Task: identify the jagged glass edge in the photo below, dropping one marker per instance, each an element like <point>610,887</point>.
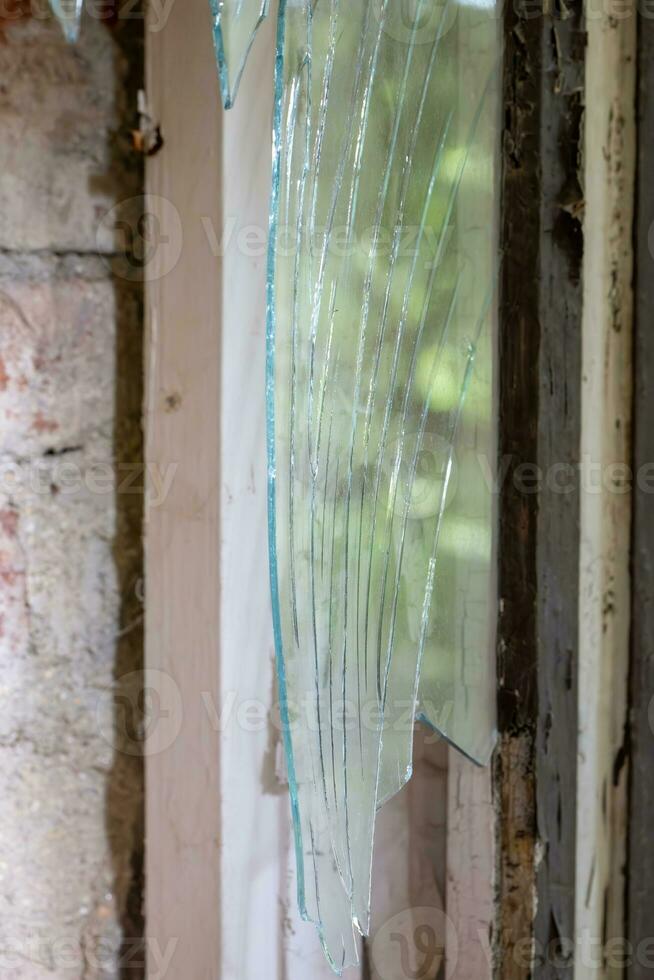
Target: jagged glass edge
<point>230,91</point>
<point>481,762</point>
<point>69,25</point>
<point>481,759</point>
<point>271,448</point>
<point>272,473</point>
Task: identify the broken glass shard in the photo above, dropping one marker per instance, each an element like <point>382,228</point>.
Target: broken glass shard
<point>69,15</point>
<point>235,22</point>
<point>381,408</point>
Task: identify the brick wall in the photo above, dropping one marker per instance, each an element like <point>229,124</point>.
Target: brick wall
<point>70,551</point>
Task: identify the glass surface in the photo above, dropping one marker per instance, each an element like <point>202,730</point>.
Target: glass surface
<point>69,15</point>
<point>235,23</point>
<point>381,413</point>
<point>381,407</point>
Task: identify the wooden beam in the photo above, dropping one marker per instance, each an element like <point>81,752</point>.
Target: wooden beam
<point>540,419</point>
<point>641,853</point>
<point>519,340</point>
<point>470,890</point>
<point>604,615</point>
<point>183,831</point>
<point>560,313</point>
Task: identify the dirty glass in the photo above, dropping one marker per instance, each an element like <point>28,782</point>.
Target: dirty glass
<point>381,413</point>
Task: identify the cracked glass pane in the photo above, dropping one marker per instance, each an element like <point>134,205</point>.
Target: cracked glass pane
<point>381,413</point>
<point>69,15</point>
<point>235,23</point>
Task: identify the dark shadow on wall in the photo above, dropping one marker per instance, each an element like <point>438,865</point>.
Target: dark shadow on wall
<point>125,789</point>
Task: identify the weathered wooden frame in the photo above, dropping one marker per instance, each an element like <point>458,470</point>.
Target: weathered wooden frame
<point>566,376</point>
<point>540,421</point>
<point>640,893</point>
